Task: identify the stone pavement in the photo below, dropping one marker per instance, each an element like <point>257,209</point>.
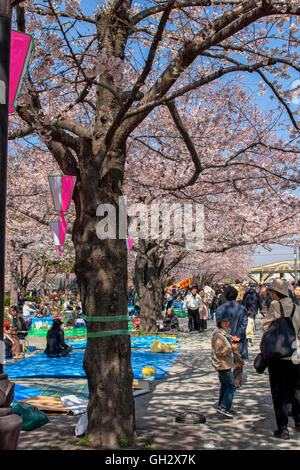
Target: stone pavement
<point>191,384</point>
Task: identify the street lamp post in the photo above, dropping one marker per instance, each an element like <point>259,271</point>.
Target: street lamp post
<point>10,424</point>
<point>5,32</point>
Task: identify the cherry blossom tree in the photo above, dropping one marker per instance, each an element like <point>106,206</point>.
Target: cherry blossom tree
<point>100,75</point>
<point>238,143</point>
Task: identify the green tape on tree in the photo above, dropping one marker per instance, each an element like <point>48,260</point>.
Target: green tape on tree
<point>106,319</point>
<point>99,334</point>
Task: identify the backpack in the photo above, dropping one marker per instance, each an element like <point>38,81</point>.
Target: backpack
<point>278,341</point>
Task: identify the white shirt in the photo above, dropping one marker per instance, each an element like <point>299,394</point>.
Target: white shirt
<point>27,310</point>
<point>192,302</point>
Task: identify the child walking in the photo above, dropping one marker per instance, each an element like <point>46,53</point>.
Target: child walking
<point>223,355</point>
<point>250,329</point>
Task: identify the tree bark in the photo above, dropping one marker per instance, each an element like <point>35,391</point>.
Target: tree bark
<point>101,271</point>
<point>14,285</point>
<point>148,283</point>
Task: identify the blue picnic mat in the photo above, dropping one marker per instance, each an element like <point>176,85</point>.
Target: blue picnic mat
<point>147,341</point>
<point>21,392</point>
<point>136,342</point>
<point>42,366</point>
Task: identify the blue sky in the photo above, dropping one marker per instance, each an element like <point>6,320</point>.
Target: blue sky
<point>278,253</point>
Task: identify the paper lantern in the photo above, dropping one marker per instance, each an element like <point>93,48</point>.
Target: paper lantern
<point>62,188</point>
<point>58,230</point>
<point>21,55</point>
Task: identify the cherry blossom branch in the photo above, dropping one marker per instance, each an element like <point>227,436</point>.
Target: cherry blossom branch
<point>198,83</point>
<point>180,5</point>
<point>61,14</point>
<point>187,140</point>
<point>147,68</point>
<point>280,99</point>
<point>19,133</point>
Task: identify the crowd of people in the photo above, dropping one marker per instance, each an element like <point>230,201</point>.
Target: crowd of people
<point>233,310</point>
<point>19,319</point>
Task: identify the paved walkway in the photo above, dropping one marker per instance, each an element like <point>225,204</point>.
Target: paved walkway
<point>190,384</point>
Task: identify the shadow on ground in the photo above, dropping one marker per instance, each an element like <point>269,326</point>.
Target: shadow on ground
<point>191,384</point>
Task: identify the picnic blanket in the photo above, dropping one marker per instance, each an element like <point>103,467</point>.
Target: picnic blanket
<point>136,342</point>
<point>42,366</point>
<point>22,392</point>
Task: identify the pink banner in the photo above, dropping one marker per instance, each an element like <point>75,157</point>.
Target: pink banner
<point>58,230</point>
<point>62,189</point>
<point>129,243</point>
<point>21,54</point>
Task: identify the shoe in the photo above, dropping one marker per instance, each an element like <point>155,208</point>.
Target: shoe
<point>191,332</point>
<point>283,434</point>
<point>224,412</point>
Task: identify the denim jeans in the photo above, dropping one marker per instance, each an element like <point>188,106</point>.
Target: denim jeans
<point>228,387</point>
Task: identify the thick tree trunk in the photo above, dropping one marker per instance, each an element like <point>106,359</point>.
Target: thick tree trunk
<point>14,285</point>
<point>148,282</point>
<point>101,270</point>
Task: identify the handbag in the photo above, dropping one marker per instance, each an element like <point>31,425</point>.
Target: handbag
<point>277,342</point>
<point>260,364</point>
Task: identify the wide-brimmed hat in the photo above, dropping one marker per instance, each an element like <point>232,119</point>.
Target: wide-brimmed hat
<point>281,286</point>
<point>223,313</point>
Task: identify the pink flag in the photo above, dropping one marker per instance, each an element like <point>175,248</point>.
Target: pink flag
<point>62,188</point>
<point>21,54</point>
<point>129,243</point>
<point>58,230</point>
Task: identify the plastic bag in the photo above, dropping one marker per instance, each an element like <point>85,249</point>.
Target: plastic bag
<point>159,347</point>
<point>32,417</point>
<point>81,425</point>
<point>148,371</point>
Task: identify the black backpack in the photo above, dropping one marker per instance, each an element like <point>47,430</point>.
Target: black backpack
<point>280,340</point>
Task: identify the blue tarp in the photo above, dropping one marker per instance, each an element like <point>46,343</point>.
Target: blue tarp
<point>42,366</point>
<point>136,342</point>
<point>21,393</point>
<point>177,304</point>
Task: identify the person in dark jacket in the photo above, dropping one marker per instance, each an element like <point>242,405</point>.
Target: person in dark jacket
<point>221,297</point>
<point>238,326</point>
<point>214,304</point>
<point>252,302</point>
<point>19,324</point>
<point>56,346</point>
<point>170,321</point>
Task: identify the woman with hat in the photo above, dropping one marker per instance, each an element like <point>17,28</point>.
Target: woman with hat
<point>56,346</point>
<point>284,374</point>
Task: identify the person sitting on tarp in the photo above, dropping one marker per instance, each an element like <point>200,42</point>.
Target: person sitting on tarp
<point>19,324</point>
<point>56,346</point>
<point>136,323</point>
<point>170,321</point>
<point>12,343</point>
